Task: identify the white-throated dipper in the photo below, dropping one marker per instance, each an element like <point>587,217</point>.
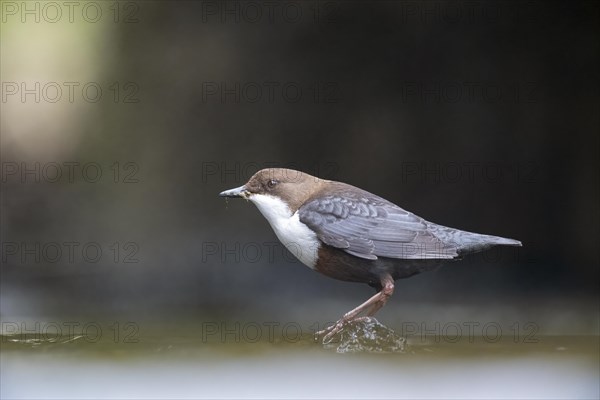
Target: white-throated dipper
<point>352,235</point>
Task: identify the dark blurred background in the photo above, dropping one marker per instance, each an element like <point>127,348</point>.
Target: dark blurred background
<point>480,116</point>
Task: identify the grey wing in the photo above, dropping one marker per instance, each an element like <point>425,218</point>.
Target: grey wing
<point>369,227</point>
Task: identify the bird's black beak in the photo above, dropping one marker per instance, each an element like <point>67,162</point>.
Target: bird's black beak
<point>237,192</point>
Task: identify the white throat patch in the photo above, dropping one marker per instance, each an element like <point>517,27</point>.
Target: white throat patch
<point>295,236</point>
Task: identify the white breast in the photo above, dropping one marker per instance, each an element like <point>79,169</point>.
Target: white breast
<point>295,236</point>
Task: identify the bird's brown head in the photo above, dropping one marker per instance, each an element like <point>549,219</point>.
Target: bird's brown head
<point>291,186</point>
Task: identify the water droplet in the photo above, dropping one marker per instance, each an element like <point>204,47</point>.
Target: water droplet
<point>366,335</point>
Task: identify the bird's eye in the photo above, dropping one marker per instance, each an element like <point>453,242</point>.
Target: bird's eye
<point>271,183</point>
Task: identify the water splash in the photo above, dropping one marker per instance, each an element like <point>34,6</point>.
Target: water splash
<point>366,335</point>
<point>37,340</point>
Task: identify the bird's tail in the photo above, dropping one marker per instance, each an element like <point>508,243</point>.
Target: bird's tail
<point>497,240</point>
<point>475,242</point>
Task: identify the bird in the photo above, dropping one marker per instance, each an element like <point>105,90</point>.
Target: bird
<point>352,235</point>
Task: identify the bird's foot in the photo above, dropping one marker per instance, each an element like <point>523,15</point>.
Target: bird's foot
<point>332,330</point>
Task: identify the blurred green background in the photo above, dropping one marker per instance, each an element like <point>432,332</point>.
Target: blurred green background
<point>122,121</point>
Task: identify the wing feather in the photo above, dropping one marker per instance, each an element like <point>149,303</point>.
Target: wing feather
<point>369,227</point>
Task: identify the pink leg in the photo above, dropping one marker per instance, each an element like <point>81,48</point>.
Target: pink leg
<point>373,305</point>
